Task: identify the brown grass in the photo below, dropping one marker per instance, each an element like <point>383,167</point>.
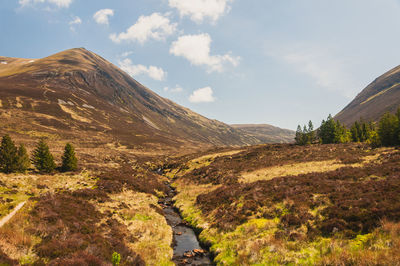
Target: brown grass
<point>301,168</point>
<point>149,234</point>
<point>15,241</point>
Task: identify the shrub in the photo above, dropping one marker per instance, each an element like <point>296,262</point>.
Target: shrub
<point>42,158</point>
<point>69,160</point>
<point>116,258</point>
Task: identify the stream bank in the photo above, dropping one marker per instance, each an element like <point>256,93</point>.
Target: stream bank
<point>187,248</point>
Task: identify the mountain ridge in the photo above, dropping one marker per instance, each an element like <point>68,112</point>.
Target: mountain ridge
<point>267,133</point>
<point>380,96</point>
<point>78,90</point>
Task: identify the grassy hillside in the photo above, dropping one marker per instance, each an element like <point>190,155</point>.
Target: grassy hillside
<point>76,94</point>
<point>286,204</point>
<point>109,205</point>
<point>382,95</point>
<point>267,133</point>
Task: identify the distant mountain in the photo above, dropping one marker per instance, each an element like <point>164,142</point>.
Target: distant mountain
<point>77,94</point>
<point>267,133</point>
<point>382,95</point>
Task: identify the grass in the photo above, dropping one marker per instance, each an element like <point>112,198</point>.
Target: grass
<point>309,210</point>
<point>151,235</point>
<point>185,201</point>
<point>301,168</point>
<point>15,241</point>
<point>16,188</point>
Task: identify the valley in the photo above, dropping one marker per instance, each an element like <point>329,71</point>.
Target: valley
<point>158,184</point>
<point>340,214</point>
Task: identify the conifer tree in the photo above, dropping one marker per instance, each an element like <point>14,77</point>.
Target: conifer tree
<point>388,130</point>
<point>42,158</point>
<point>8,155</point>
<point>299,135</point>
<point>304,140</point>
<point>69,160</point>
<point>355,134</point>
<point>23,159</point>
<point>327,130</point>
<point>311,133</point>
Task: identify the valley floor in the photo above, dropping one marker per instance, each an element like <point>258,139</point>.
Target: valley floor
<point>286,204</point>
<point>268,204</point>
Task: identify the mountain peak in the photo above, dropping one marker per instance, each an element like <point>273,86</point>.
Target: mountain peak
<point>76,91</point>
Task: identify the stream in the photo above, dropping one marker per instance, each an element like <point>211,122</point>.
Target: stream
<point>187,248</point>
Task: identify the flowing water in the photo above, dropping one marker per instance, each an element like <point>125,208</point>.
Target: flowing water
<point>187,249</point>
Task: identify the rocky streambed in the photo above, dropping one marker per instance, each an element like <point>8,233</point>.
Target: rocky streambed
<point>187,248</point>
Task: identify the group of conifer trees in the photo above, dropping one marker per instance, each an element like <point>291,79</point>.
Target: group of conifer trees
<point>13,159</point>
<point>385,133</point>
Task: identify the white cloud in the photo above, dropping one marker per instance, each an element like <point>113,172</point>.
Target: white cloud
<point>102,16</point>
<point>198,10</point>
<point>126,54</point>
<point>58,3</point>
<point>196,49</point>
<point>203,95</point>
<point>156,26</point>
<point>153,72</point>
<point>174,90</point>
<point>75,21</point>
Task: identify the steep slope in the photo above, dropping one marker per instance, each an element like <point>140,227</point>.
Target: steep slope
<point>78,94</point>
<point>267,133</point>
<point>382,95</point>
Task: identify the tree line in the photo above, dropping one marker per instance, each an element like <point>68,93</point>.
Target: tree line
<point>385,133</point>
<point>16,159</point>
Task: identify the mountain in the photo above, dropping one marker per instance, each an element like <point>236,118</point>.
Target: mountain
<point>76,94</point>
<point>382,95</point>
<point>267,133</point>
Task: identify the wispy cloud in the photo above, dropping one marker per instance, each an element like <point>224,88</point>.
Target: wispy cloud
<point>174,90</point>
<point>199,10</point>
<point>323,66</point>
<point>102,16</point>
<point>75,21</point>
<point>58,3</point>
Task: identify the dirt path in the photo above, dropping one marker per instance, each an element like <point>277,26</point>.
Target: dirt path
<point>4,220</point>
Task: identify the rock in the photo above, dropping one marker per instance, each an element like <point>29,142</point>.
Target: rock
<point>189,254</point>
<point>199,251</point>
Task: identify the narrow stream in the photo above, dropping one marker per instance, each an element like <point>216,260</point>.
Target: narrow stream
<point>187,249</point>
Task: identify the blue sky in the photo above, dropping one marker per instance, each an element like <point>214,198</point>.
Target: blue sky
<point>239,61</point>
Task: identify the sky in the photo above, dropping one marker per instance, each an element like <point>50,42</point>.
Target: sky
<point>238,61</point>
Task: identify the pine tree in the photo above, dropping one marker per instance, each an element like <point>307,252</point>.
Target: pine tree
<point>8,155</point>
<point>299,135</point>
<point>42,158</point>
<point>69,161</point>
<point>23,159</point>
<point>388,130</point>
<point>355,134</point>
<point>327,131</point>
<point>304,140</point>
<point>311,133</point>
